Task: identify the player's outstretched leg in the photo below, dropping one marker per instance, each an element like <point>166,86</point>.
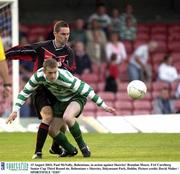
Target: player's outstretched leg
<point>55,148</point>
<point>41,137</point>
<point>44,112</point>
<point>72,111</point>
<point>62,140</point>
<point>76,133</point>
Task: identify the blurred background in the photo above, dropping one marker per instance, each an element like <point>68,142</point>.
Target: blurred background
<point>145,11</point>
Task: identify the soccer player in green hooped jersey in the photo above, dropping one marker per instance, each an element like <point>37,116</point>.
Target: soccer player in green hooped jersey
<point>71,94</point>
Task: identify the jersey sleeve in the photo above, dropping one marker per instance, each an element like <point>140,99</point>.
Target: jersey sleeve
<point>80,87</point>
<point>30,86</point>
<point>2,54</point>
<point>86,90</point>
<point>25,53</point>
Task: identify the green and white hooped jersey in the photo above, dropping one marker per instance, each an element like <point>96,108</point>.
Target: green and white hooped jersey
<point>64,88</point>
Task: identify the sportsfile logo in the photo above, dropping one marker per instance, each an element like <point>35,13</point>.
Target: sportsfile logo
<point>2,166</point>
<point>16,166</point>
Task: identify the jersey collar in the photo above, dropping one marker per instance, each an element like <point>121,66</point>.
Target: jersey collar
<point>57,47</point>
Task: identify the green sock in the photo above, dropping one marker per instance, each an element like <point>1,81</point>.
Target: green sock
<point>76,133</point>
<point>62,140</point>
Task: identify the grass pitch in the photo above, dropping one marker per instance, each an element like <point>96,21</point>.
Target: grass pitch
<point>104,147</point>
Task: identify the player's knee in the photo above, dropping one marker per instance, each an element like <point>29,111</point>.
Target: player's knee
<point>63,128</point>
<point>68,120</point>
<point>52,132</point>
<point>47,114</point>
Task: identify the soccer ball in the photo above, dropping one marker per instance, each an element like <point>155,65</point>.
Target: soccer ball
<point>136,89</point>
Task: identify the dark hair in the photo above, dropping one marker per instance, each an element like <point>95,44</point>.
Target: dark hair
<point>59,24</point>
<point>113,57</point>
<point>51,63</point>
<point>166,57</point>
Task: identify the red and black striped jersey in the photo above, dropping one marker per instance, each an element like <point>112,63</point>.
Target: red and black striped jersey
<point>38,52</point>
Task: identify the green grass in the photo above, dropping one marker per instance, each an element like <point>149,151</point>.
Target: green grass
<point>104,147</point>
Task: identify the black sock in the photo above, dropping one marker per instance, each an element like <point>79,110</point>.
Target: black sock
<point>41,136</point>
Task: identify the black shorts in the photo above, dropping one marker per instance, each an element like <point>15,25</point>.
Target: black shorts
<point>42,97</point>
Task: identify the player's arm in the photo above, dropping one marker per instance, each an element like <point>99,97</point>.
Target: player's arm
<point>25,53</point>
<point>30,86</point>
<point>5,76</point>
<point>87,91</point>
<point>4,71</point>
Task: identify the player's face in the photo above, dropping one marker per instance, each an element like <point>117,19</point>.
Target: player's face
<point>51,73</point>
<point>62,36</point>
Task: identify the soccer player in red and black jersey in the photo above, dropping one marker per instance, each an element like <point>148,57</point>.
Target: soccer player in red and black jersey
<point>43,99</point>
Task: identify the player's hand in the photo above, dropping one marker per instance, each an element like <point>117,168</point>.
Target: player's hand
<point>110,109</point>
<point>7,91</point>
<point>11,117</point>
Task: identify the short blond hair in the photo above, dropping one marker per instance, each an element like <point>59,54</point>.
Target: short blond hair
<point>50,63</point>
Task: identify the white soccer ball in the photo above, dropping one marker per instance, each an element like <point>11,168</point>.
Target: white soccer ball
<point>136,89</point>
